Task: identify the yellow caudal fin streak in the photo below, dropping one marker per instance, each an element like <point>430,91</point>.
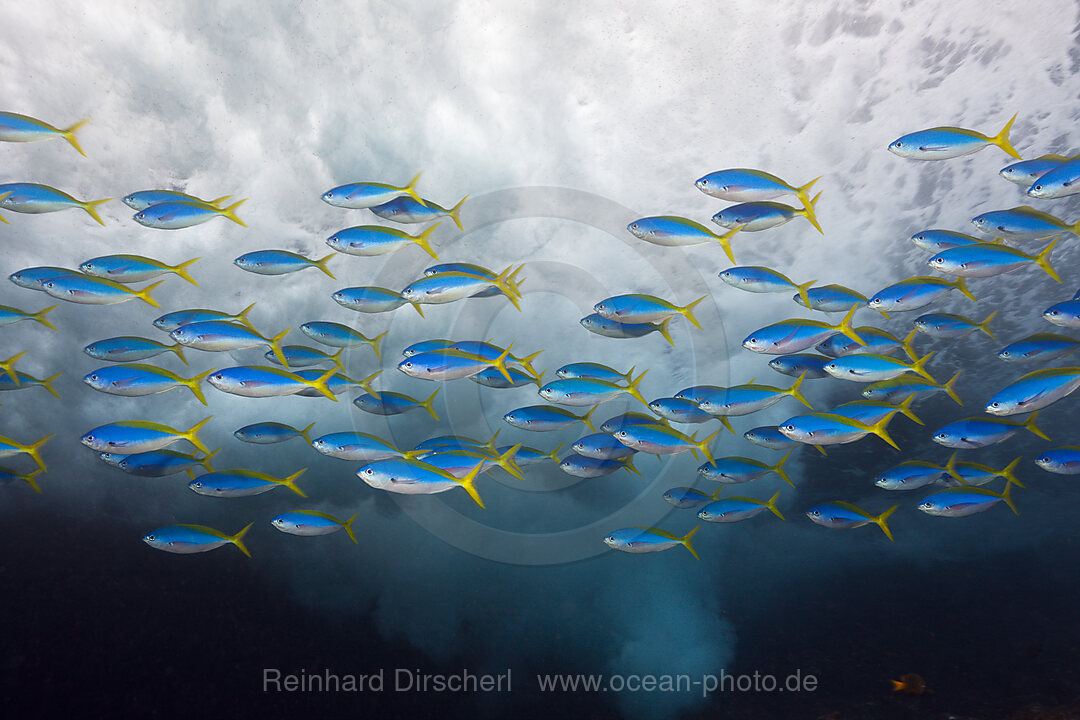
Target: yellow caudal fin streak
<point>632,388</point>
<point>526,364</point>
<point>950,388</point>
<point>192,434</point>
<point>847,328</point>
<point>455,215</point>
<point>1006,495</point>
<point>950,467</point>
<point>778,468</point>
<point>1010,477</point>
<point>90,206</point>
<point>144,294</point>
<point>919,366</point>
<point>795,391</point>
<point>47,383</point>
<point>423,241</point>
<point>348,527</point>
<point>9,367</point>
<point>321,264</point>
<point>195,384</point>
<point>502,282</point>
<point>469,483</point>
<point>336,359</point>
<point>216,202</point>
<point>513,281</point>
<point>429,404</point>
<point>1030,426</point>
<point>374,343</point>
<point>34,451</point>
<point>1043,259</point>
<point>490,445</point>
<point>365,384</point>
<point>882,522</point>
<point>2,196</point>
<point>771,504</point>
<point>230,212</point>
<point>803,193</point>
<point>820,450</point>
<point>416,307</point>
<point>275,347</point>
<point>205,461</point>
<point>30,479</point>
<point>803,292</point>
<point>725,242</point>
<point>179,350</point>
<point>628,465</point>
<point>722,418</point>
<point>587,418</point>
<point>807,212</point>
<point>181,270</point>
<point>69,135</point>
<point>306,432</point>
<point>290,482</point>
<point>905,409</point>
<point>908,343</point>
<point>687,311</point>
<point>878,428</point>
<point>242,317</point>
<point>506,462</point>
<point>961,285</point>
<point>685,540</point>
<point>499,363</point>
<point>1002,139</point>
<point>553,456</point>
<point>39,316</point>
<point>665,329</point>
<point>703,446</point>
<point>410,190</point>
<point>238,540</point>
<point>629,374</point>
<point>320,383</point>
<point>985,325</point>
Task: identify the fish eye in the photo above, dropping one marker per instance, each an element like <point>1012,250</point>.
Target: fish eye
<point>369,471</point>
<point>329,194</point>
<point>151,538</point>
<point>704,181</point>
<point>1004,353</point>
<point>899,144</point>
<point>197,485</point>
<point>993,404</point>
<point>1038,187</point>
<point>789,428</point>
<point>408,364</point>
<point>93,377</point>
<point>942,436</point>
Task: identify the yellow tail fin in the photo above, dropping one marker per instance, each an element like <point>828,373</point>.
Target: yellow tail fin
<point>687,311</point>
<point>144,294</point>
<point>305,433</point>
<point>422,239</point>
<point>725,242</point>
<point>1006,495</point>
<point>846,327</point>
<point>795,391</point>
<point>664,328</point>
<point>808,212</point>
<point>69,135</point>
<point>320,384</point>
<point>1030,426</point>
<point>275,347</point>
<point>587,418</point>
<point>410,190</point>
<point>908,343</point>
<point>429,404</point>
<point>242,317</point>
<point>771,503</point>
<point>1043,260</point>
<point>181,270</point>
<point>632,388</point>
<point>191,435</point>
<point>33,451</point>
<point>961,285</point>
<point>950,390</point>
<point>1002,139</point>
<point>881,521</point>
<point>39,316</point>
<point>238,541</point>
<point>918,367</point>
<point>803,293</point>
<point>374,343</point>
<point>321,264</point>
<point>803,193</point>
<point>455,215</point>
<point>9,367</point>
<point>469,483</point>
<point>290,482</point>
<point>47,384</point>
<point>348,528</point>
<point>778,468</point>
<point>90,206</point>
<point>685,540</point>
<point>179,350</point>
<point>29,478</point>
<point>230,212</point>
<point>194,384</point>
<point>985,325</point>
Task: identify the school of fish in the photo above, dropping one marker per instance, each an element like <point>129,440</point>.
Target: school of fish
<point>890,372</point>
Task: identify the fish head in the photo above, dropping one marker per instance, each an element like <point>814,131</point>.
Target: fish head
<point>281,523</point>
<point>624,437</point>
<point>947,437</point>
<point>223,382</point>
<point>889,484</point>
<point>981,221</point>
<point>638,230</point>
<point>927,506</point>
<point>88,267</point>
<point>793,431</point>
<point>154,541</point>
<point>754,344</point>
<point>333,197</point>
<point>550,394</point>
<point>939,262</point>
<point>1002,407</point>
<point>375,476</point>
<point>1042,190</point>
<point>411,294</point>
<point>816,514</point>
<point>411,368</point>
<point>615,542</point>
<point>902,149</point>
<point>1005,355</point>
<point>90,440</point>
<point>95,381</point>
<point>124,464</point>
<point>588,322</point>
<point>197,486</point>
